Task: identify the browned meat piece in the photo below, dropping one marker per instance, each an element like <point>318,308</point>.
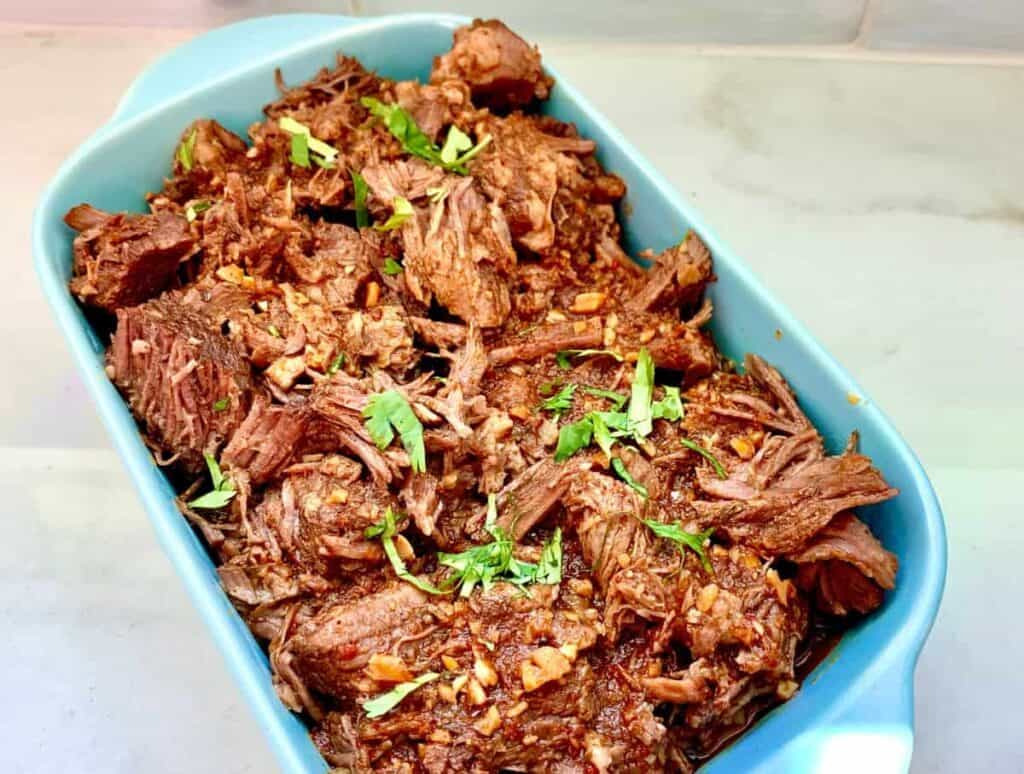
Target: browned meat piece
<point>607,516</point>
<point>459,251</point>
<point>501,68</point>
<point>334,274</point>
<point>212,150</point>
<point>783,516</point>
<point>406,178</point>
<point>186,383</point>
<point>673,345</point>
<point>548,339</point>
<point>381,337</point>
<point>267,440</point>
<point>318,516</point>
<point>677,279</point>
<point>332,650</point>
<point>434,107</point>
<point>439,334</point>
<point>532,495</point>
<point>520,171</point>
<point>846,567</point>
<point>125,259</point>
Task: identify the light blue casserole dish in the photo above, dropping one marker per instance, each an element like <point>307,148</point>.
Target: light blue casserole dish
<point>855,710</point>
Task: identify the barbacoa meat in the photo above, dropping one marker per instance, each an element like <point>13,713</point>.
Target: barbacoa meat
<point>482,485</point>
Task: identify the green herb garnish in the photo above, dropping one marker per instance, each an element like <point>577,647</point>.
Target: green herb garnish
<point>561,401</point>
<point>336,364</point>
<point>641,393</point>
<point>682,538</point>
<point>222,404</point>
<point>300,150</point>
<point>402,211</point>
<point>359,193</point>
<point>670,407</point>
<point>617,398</point>
<point>457,150</point>
<point>223,490</point>
<point>392,267</point>
<point>719,470</point>
<point>274,331</point>
<point>573,437</point>
<point>194,208</point>
<point>186,151</point>
<point>387,410</point>
<point>386,530</point>
<point>383,704</point>
<point>486,564</point>
<point>310,144</point>
<point>563,358</point>
<point>620,469</point>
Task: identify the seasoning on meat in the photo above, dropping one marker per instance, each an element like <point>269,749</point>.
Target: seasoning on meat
<point>483,486</point>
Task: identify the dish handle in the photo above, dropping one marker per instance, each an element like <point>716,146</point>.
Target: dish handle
<point>873,732</point>
<point>213,53</point>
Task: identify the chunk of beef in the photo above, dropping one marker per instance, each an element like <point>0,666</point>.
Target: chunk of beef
<point>267,440</point>
<point>846,567</point>
<point>124,259</point>
<point>211,151</point>
<point>318,515</point>
<point>331,651</point>
<point>673,345</point>
<point>534,699</point>
<point>531,495</point>
<point>186,382</point>
<point>501,68</point>
<point>460,252</point>
<point>547,339</point>
<point>337,268</point>
<point>519,171</point>
<point>408,178</point>
<point>783,516</point>
<point>381,337</point>
<point>677,279</point>
<point>434,106</point>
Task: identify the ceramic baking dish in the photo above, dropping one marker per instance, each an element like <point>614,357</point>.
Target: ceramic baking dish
<point>855,707</point>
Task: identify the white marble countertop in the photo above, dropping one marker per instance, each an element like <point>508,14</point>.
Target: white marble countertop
<point>883,202</point>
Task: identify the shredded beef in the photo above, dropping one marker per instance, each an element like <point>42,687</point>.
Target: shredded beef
<point>481,484</point>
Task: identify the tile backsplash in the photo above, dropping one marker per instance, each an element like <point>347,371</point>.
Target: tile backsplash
<point>801,22</point>
<point>882,25</point>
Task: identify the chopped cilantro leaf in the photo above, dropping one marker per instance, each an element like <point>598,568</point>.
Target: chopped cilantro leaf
<point>622,472</point>
<point>561,401</point>
<point>300,150</point>
<point>336,364</point>
<point>573,437</point>
<point>683,539</point>
<point>719,470</point>
<point>222,404</point>
<point>186,151</point>
<point>670,407</point>
<point>402,211</point>
<point>387,410</point>
<point>639,411</point>
<point>194,208</point>
<point>617,398</point>
<point>359,192</point>
<point>392,267</point>
<point>386,530</point>
<point>223,490</point>
<point>563,358</point>
<point>385,702</point>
